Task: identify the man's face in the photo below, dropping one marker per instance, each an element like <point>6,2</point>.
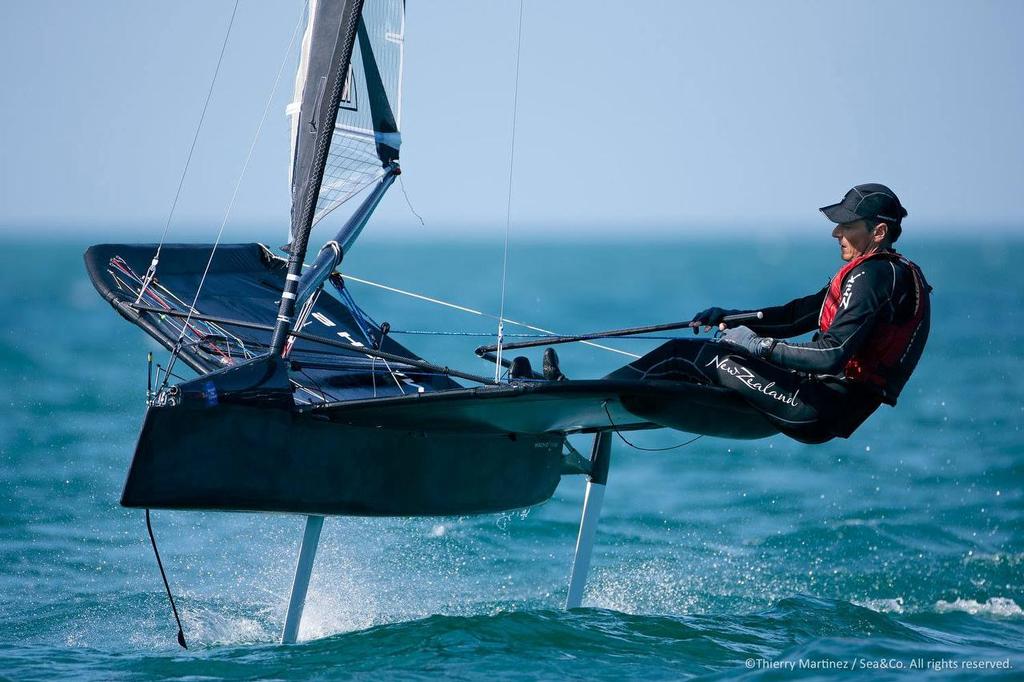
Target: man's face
<point>855,239</point>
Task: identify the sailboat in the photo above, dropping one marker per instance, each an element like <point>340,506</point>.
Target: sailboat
<point>303,403</point>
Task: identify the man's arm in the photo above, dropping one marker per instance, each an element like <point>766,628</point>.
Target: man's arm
<point>799,316</point>
<point>781,322</point>
<point>866,290</point>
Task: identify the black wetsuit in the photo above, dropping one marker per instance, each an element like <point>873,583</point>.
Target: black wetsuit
<point>801,387</point>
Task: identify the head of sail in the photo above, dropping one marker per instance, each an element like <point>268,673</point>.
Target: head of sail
<point>366,136</point>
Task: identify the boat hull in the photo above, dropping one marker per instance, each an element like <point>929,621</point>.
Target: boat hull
<point>265,459</point>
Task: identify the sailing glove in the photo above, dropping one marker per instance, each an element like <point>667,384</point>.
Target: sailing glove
<point>743,339</point>
<point>711,317</point>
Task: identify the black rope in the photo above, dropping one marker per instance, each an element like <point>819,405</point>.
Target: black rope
<point>638,447</point>
<point>160,564</point>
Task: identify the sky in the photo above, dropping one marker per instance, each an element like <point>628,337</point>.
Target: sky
<point>650,117</point>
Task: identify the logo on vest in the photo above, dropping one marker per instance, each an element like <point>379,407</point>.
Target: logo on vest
<point>848,290</point>
<point>749,379</point>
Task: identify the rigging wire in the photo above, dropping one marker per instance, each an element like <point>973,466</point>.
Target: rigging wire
<point>362,322</point>
<point>472,311</point>
<point>234,194</point>
<point>151,272</point>
<point>508,202</point>
<point>436,332</point>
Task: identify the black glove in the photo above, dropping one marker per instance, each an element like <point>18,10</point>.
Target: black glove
<point>742,338</point>
<point>711,317</point>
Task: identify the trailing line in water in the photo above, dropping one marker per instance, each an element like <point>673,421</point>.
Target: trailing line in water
<point>167,586</point>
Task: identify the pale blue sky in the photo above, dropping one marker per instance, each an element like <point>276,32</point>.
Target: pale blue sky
<point>643,116</point>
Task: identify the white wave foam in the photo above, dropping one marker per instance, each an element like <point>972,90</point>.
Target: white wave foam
<point>219,624</point>
<point>998,559</point>
<point>883,605</point>
<point>995,606</point>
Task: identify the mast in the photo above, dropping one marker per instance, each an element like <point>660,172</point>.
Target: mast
<point>332,29</point>
<point>345,133</point>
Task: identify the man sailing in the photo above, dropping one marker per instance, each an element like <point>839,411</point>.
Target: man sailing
<point>871,324</point>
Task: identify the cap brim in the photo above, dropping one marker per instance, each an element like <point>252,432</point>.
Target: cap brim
<point>838,214</point>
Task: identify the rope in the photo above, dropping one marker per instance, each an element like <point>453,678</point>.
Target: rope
<point>508,202</point>
<point>428,332</point>
<point>160,564</point>
<point>472,311</point>
<point>151,272</point>
<point>408,203</point>
<point>637,447</point>
<point>234,194</point>
<point>432,332</point>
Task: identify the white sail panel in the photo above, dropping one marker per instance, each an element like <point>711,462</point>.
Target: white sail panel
<point>366,136</point>
<point>300,81</point>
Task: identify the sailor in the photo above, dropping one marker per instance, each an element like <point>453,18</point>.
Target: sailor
<point>870,321</point>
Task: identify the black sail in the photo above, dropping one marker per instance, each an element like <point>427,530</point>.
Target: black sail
<point>332,33</point>
<point>365,138</point>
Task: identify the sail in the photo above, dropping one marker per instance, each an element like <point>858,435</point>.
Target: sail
<point>328,42</point>
<point>365,138</point>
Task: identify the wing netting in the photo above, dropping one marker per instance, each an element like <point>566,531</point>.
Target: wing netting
<point>244,285</point>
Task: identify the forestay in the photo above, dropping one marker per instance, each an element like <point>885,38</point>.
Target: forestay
<point>366,135</point>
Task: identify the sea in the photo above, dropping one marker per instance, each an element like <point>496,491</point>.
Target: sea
<point>897,552</point>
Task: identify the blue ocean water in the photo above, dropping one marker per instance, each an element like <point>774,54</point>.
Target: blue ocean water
<point>899,550</point>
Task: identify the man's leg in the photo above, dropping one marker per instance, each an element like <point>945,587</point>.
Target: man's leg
<point>675,360</point>
<point>799,406</point>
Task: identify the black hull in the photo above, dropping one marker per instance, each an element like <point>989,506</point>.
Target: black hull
<point>333,431</point>
<point>578,406</point>
<point>261,459</point>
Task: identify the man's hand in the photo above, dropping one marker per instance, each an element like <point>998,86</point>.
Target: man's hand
<point>709,318</point>
<point>742,338</point>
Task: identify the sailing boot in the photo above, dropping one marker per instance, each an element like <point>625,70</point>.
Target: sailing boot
<point>520,368</point>
<point>551,370</point>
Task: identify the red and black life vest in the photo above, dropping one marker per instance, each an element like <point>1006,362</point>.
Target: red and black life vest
<point>884,360</point>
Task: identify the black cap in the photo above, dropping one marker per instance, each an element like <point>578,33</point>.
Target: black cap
<point>867,202</point>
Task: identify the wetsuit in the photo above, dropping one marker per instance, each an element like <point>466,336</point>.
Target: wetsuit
<point>872,323</point>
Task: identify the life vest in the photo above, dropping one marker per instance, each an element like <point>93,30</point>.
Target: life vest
<point>884,360</point>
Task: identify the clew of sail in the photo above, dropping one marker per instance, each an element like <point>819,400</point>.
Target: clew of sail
<point>366,137</point>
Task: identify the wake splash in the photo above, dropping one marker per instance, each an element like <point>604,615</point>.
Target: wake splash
<point>1000,607</point>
